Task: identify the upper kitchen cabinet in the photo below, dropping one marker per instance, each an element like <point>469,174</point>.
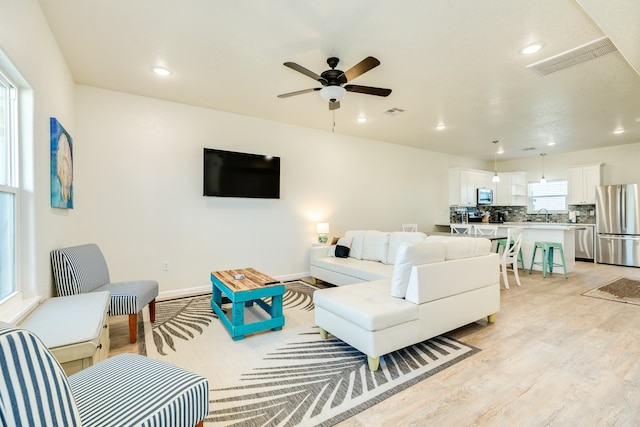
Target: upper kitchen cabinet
<point>463,184</point>
<point>511,190</point>
<point>582,183</point>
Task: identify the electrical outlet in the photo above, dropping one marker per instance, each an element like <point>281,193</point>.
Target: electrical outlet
<point>592,213</point>
<point>165,266</point>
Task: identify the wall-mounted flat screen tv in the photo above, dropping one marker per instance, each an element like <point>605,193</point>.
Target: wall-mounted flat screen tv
<point>232,174</point>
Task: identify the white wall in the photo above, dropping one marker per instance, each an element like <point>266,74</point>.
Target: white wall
<point>138,178</point>
<point>138,188</point>
<point>138,172</point>
<point>620,164</point>
<point>47,91</point>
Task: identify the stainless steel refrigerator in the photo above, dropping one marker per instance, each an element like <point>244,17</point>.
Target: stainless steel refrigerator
<point>618,224</point>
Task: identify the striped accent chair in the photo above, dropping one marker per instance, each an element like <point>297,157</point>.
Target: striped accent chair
<point>82,269</point>
<point>125,390</point>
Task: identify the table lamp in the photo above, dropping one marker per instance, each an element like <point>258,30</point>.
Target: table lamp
<point>322,228</point>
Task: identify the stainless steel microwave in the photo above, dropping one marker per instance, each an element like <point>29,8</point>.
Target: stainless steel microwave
<point>484,196</point>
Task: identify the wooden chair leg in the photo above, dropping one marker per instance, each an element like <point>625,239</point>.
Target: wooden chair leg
<point>152,310</point>
<point>133,328</point>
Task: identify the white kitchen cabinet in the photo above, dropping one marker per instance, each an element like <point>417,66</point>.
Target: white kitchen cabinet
<point>502,194</point>
<point>518,189</point>
<point>463,184</point>
<point>511,190</point>
<point>582,183</point>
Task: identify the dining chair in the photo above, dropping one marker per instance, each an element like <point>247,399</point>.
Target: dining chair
<point>460,228</point>
<point>485,230</point>
<point>410,227</point>
<point>510,254</point>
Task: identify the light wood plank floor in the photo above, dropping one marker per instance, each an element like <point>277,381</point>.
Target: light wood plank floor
<point>553,357</point>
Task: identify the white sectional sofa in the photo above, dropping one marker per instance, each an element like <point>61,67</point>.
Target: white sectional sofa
<point>371,257</point>
<point>433,285</point>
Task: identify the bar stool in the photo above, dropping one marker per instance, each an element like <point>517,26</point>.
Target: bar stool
<point>547,257</point>
<point>503,242</point>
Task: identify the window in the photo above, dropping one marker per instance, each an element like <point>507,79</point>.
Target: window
<point>551,196</point>
<point>9,190</point>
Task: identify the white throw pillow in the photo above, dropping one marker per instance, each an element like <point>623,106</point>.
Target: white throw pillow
<point>397,238</point>
<point>376,245</point>
<point>357,243</point>
<point>410,254</point>
<point>345,241</point>
<point>467,247</point>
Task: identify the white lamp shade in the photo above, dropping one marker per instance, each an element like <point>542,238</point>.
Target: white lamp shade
<point>332,93</point>
<point>496,177</point>
<point>322,228</point>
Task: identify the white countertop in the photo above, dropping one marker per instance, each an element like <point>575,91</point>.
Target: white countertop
<point>549,225</point>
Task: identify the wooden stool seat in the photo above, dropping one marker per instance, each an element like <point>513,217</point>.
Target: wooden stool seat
<point>547,261</point>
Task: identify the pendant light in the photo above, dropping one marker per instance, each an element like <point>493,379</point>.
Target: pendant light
<point>495,178</point>
<point>543,180</point>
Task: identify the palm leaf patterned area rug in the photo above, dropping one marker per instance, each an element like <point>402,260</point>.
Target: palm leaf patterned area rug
<point>290,377</point>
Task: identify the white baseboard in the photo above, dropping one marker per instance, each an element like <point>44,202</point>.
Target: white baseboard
<point>196,290</point>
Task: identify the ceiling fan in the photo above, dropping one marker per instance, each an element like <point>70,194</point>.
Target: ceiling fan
<point>334,81</point>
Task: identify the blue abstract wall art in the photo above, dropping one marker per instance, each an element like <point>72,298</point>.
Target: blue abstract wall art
<point>61,166</point>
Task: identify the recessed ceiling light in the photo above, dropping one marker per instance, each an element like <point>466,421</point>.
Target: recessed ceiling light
<point>500,151</point>
<point>362,119</point>
<point>441,127</point>
<point>618,131</point>
<point>161,71</point>
<point>550,143</point>
<point>532,48</point>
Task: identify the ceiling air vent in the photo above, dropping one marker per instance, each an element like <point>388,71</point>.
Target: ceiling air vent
<point>394,111</point>
<point>575,56</point>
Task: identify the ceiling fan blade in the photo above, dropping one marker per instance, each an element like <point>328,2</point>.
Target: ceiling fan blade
<point>362,67</point>
<point>298,92</point>
<point>334,105</point>
<point>378,91</point>
<point>308,73</point>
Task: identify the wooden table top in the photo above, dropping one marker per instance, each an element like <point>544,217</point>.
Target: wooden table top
<point>253,279</point>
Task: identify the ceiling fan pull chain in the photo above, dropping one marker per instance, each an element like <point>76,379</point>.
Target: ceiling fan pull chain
<point>333,128</point>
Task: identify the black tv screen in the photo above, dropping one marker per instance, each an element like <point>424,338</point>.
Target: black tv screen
<point>231,174</point>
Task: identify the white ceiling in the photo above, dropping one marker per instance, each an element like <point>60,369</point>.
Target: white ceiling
<point>450,61</point>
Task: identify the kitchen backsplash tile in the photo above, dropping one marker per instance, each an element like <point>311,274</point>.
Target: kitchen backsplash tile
<point>519,213</point>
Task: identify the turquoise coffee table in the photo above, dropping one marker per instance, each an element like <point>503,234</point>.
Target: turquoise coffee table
<point>244,293</point>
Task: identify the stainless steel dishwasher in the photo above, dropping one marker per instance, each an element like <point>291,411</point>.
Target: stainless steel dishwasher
<point>585,243</point>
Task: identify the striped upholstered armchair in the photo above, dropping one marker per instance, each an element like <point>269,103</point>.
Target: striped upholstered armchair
<point>82,269</point>
<point>125,390</point>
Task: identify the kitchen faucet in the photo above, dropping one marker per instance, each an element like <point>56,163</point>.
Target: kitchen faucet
<point>546,216</point>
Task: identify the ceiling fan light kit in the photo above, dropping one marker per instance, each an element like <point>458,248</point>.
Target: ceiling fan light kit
<point>335,81</point>
<point>332,93</point>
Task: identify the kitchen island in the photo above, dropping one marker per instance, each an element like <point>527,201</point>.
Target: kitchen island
<point>546,232</point>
